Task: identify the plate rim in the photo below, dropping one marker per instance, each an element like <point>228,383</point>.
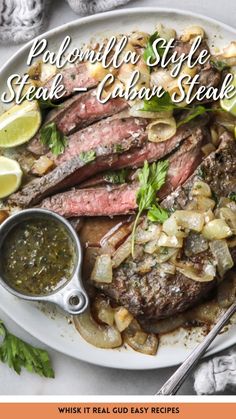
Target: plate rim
<point>53,32</point>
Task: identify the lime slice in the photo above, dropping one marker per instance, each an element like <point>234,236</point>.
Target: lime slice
<point>10,176</point>
<point>229,105</point>
<point>19,124</point>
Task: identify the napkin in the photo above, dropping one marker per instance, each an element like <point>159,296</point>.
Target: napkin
<point>22,20</point>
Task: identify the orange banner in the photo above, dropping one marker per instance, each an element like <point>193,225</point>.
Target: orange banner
<point>112,410</point>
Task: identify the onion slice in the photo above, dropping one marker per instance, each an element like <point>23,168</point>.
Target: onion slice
<point>106,337</point>
<point>222,255</point>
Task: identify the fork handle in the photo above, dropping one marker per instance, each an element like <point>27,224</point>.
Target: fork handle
<point>176,380</point>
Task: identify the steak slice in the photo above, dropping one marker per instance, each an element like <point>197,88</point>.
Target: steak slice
<point>76,113</point>
<point>104,133</point>
<point>156,295</point>
<point>74,77</point>
<point>118,200</point>
<point>73,172</point>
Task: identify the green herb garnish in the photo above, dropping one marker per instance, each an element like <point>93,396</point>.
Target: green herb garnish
<point>151,178</point>
<point>165,104</point>
<point>118,177</point>
<point>19,354</point>
<point>157,214</point>
<point>159,104</point>
<point>201,172</point>
<point>47,104</point>
<point>232,196</point>
<point>194,113</point>
<point>149,52</point>
<point>54,139</point>
<point>87,156</point>
<point>219,65</point>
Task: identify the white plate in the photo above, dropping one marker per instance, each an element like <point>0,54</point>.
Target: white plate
<point>52,327</point>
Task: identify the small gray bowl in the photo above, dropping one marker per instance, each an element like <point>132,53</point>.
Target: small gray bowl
<point>71,296</point>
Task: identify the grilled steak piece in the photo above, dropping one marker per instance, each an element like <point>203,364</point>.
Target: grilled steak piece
<point>104,201</point>
<point>155,295</point>
<point>218,170</point>
<point>76,113</point>
<point>118,200</point>
<point>72,172</point>
<point>104,133</point>
<point>74,77</point>
<point>208,75</point>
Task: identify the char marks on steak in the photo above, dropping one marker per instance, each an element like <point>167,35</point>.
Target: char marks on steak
<point>71,173</point>
<point>208,75</point>
<point>73,77</point>
<point>118,200</point>
<point>76,113</point>
<point>154,295</point>
<point>74,171</point>
<point>104,133</point>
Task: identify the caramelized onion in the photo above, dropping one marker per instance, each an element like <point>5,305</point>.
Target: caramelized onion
<point>123,318</point>
<point>122,253</point>
<point>216,230</point>
<point>206,274</point>
<point>222,255</point>
<point>106,337</point>
<point>191,220</point>
<point>102,271</point>
<point>140,341</point>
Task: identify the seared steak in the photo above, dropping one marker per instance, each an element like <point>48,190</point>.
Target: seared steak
<point>74,77</point>
<point>114,200</point>
<point>218,170</point>
<point>75,171</point>
<point>71,173</point>
<point>155,295</point>
<point>104,133</point>
<point>117,200</point>
<point>76,113</point>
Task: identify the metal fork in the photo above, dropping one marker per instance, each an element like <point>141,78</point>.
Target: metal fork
<point>176,380</point>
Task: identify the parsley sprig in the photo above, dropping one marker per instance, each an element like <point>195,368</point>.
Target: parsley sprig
<point>151,178</point>
<point>19,354</point>
<point>165,104</point>
<point>149,52</point>
<point>54,139</point>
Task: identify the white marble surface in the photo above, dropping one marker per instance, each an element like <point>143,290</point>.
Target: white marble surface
<point>75,377</point>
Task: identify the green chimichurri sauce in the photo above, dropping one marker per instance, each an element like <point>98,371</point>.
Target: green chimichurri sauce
<point>38,257</point>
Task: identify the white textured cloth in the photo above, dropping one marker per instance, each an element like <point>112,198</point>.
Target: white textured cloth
<point>22,20</point>
<point>216,375</point>
<point>89,7</point>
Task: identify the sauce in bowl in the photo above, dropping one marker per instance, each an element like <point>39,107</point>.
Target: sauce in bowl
<point>38,256</point>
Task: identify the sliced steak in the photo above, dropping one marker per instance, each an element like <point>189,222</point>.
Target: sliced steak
<point>99,201</point>
<point>208,75</point>
<point>155,295</point>
<point>118,200</point>
<point>71,173</point>
<point>104,133</point>
<point>218,170</point>
<point>75,171</point>
<point>74,77</point>
<point>76,113</point>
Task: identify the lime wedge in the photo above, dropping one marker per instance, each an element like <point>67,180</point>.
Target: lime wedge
<point>19,124</point>
<point>229,105</point>
<point>10,176</point>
